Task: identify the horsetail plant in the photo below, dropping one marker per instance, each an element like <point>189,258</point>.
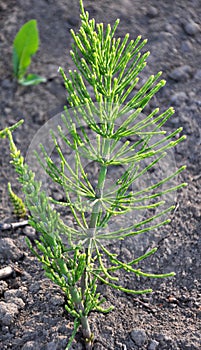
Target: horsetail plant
<point>106,128</point>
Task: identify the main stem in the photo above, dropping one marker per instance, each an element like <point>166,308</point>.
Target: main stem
<point>88,336</point>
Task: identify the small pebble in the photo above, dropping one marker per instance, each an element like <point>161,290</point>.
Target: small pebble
<point>30,232</point>
<point>178,98</point>
<point>52,70</point>
<point>6,272</point>
<point>186,46</point>
<point>139,336</point>
<point>3,6</point>
<point>7,110</point>
<point>30,345</point>
<point>17,301</point>
<point>191,28</point>
<point>8,312</point>
<point>9,250</point>
<point>152,11</point>
<point>58,196</point>
<point>11,293</point>
<point>181,73</point>
<point>153,345</point>
<point>188,260</point>
<point>197,75</point>
<point>3,286</point>
<point>120,346</point>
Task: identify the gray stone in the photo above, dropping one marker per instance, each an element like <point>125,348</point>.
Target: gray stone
<point>139,336</point>
<point>178,98</point>
<point>6,272</point>
<point>3,6</point>
<point>30,345</point>
<point>197,75</point>
<point>8,312</point>
<point>153,345</point>
<point>186,46</point>
<point>181,73</point>
<point>191,28</point>
<point>10,293</point>
<point>152,11</point>
<point>12,297</point>
<point>20,293</point>
<point>52,70</point>
<point>58,196</point>
<point>9,250</point>
<point>30,232</point>
<point>3,287</point>
<point>120,346</point>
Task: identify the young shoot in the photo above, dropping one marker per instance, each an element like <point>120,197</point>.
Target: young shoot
<point>104,130</point>
<point>25,45</point>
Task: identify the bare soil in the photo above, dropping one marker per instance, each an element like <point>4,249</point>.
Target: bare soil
<point>32,315</point>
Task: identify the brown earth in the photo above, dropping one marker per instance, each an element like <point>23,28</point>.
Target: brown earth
<point>32,316</point>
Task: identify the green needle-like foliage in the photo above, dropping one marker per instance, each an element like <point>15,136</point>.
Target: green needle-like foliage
<point>100,128</point>
<point>19,208</point>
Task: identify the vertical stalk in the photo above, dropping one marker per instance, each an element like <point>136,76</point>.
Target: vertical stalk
<point>80,308</point>
<point>99,193</point>
<point>100,186</point>
<point>88,336</point>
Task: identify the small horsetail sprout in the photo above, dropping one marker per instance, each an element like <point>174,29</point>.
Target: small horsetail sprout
<point>18,204</point>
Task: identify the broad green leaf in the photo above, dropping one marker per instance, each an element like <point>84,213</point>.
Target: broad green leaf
<point>32,79</point>
<point>25,45</point>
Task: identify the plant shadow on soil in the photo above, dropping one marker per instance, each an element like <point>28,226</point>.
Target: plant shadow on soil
<point>31,307</point>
